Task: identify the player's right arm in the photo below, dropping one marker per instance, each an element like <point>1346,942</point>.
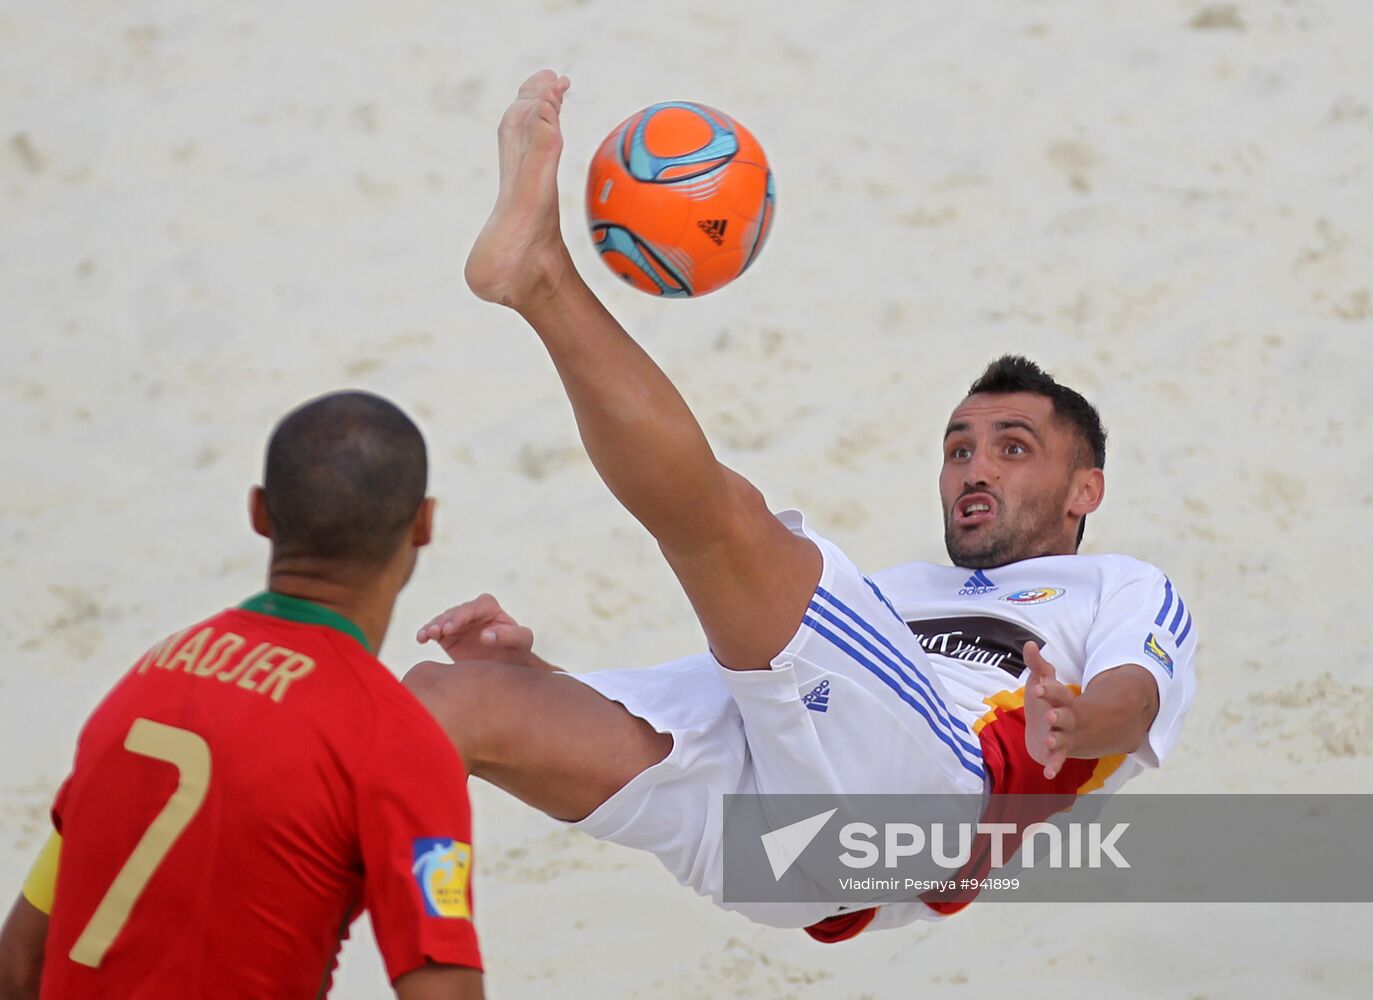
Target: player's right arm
<point>440,982</point>
<point>25,932</point>
<point>21,951</point>
<point>748,577</point>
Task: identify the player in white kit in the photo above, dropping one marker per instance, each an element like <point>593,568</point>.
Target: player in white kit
<point>1025,668</point>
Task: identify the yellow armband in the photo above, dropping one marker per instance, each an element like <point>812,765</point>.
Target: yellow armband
<point>41,885</point>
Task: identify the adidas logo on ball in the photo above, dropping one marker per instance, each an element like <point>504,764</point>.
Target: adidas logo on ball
<point>715,229</point>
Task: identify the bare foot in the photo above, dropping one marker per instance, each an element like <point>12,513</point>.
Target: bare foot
<point>519,258</point>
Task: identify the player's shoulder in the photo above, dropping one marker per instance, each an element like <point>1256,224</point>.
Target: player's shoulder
<point>1128,588</point>
<point>1116,569</point>
<point>1108,563</point>
<point>361,692</point>
<point>371,679</point>
<point>379,724</point>
<point>404,734</point>
<point>394,708</point>
<point>915,573</point>
<point>1104,567</point>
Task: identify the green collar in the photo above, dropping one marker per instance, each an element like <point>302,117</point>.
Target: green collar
<point>293,609</point>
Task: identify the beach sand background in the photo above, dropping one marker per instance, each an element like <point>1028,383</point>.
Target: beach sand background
<point>211,214</point>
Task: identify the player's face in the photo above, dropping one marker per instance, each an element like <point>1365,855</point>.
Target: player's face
<point>1010,487</point>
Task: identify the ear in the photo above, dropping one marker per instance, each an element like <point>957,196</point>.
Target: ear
<point>422,528</point>
<point>1088,490</point>
<point>257,512</point>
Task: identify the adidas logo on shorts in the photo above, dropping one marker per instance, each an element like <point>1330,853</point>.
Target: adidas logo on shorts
<point>818,698</point>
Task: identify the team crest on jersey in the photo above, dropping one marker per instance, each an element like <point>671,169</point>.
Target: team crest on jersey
<point>1160,655</point>
<point>1035,595</point>
<point>977,585</point>
<point>442,869</point>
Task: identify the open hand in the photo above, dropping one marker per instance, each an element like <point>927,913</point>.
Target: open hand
<point>480,629</point>
<point>1049,721</point>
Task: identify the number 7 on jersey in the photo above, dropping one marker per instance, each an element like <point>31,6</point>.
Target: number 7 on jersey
<point>190,755</point>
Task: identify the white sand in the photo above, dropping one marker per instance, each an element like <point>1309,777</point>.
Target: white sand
<point>206,217</point>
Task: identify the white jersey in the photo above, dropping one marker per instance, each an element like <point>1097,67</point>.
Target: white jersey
<point>1088,614</point>
<point>894,684</point>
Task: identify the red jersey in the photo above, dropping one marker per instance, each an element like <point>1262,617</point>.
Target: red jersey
<point>248,787</point>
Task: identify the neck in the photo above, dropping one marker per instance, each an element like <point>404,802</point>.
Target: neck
<point>365,598</point>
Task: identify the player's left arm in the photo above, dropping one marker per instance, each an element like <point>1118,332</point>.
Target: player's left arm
<point>432,981</point>
<point>414,825</point>
<point>1111,716</point>
<point>21,951</point>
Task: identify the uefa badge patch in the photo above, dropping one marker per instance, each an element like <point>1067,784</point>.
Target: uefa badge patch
<point>442,868</point>
<point>1160,655</point>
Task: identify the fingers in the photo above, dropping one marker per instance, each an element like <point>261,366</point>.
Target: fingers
<point>435,627</point>
<point>1046,695</point>
<point>508,637</point>
<point>1062,723</point>
<point>1055,695</point>
<point>1040,668</point>
<point>480,609</point>
<point>1058,741</point>
<point>1044,683</point>
<point>1054,764</point>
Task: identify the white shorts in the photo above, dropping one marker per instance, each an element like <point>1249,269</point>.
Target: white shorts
<point>850,706</point>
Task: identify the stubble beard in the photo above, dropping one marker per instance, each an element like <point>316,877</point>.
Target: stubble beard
<point>989,551</point>
<point>1016,535</point>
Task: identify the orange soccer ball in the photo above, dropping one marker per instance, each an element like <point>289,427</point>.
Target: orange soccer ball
<point>679,199</point>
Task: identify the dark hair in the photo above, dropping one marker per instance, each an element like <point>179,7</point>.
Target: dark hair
<point>344,476</point>
<point>1013,373</point>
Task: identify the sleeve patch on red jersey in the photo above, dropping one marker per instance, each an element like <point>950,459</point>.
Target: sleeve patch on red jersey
<point>442,867</point>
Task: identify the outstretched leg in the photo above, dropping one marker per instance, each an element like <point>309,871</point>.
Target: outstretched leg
<point>550,741</point>
<point>748,577</point>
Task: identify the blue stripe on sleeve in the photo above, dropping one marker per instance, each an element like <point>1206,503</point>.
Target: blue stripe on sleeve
<point>883,598</point>
<point>1167,601</point>
<point>1186,629</point>
<point>1177,618</point>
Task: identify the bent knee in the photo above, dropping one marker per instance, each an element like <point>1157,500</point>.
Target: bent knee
<point>435,685</point>
<point>449,692</point>
<point>473,703</point>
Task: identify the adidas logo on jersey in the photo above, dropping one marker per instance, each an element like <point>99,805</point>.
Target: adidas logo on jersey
<point>818,698</point>
<point>977,584</point>
<point>715,229</point>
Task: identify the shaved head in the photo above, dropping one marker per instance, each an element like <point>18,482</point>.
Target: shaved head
<point>345,475</point>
